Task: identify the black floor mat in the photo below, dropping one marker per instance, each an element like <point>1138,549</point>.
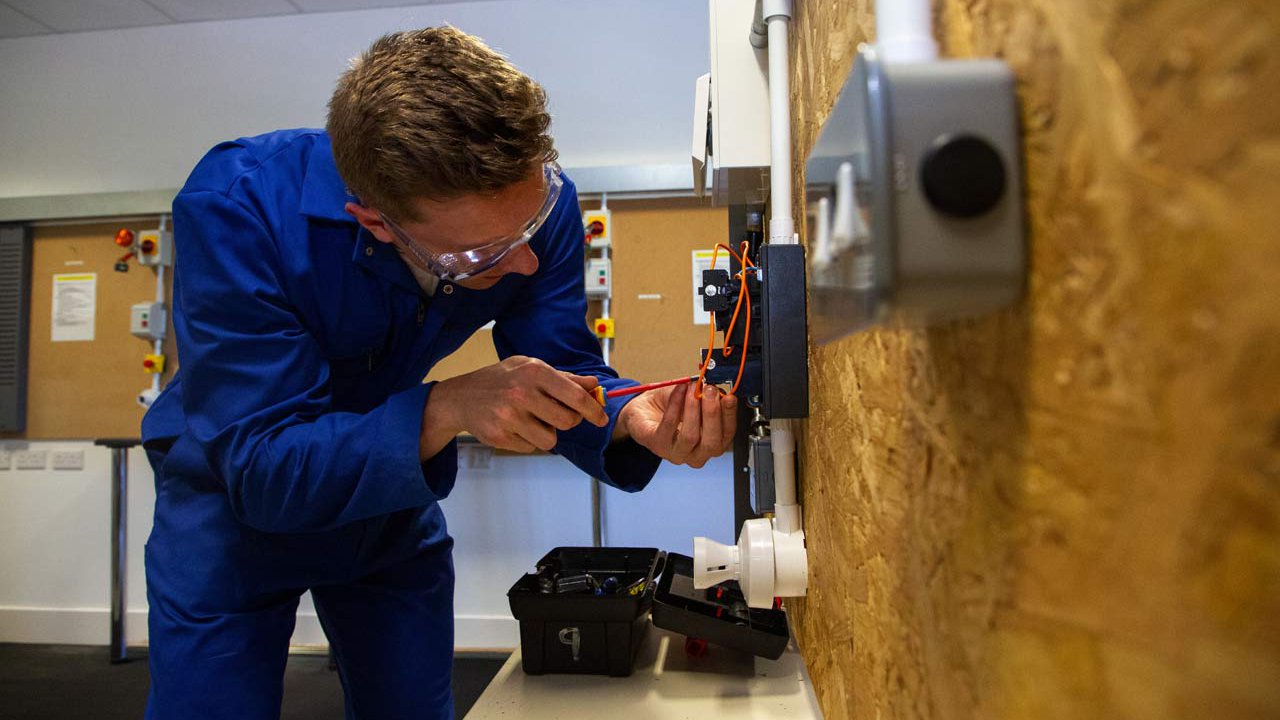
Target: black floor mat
<point>52,682</point>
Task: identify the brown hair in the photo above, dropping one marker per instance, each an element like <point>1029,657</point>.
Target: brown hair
<point>435,113</point>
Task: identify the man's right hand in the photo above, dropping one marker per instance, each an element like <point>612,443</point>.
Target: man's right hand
<point>517,404</point>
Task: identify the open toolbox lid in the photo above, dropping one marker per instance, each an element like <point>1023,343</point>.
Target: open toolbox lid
<point>718,615</point>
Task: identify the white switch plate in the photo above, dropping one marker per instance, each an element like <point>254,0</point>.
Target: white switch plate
<point>30,459</point>
<point>6,459</point>
<point>68,459</point>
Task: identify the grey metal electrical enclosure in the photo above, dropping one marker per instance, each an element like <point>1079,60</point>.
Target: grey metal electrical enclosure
<point>914,196</point>
<point>15,312</point>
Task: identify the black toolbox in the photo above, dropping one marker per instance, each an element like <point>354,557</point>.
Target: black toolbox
<point>585,610</point>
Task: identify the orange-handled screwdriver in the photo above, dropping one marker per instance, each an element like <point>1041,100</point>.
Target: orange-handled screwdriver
<point>600,393</point>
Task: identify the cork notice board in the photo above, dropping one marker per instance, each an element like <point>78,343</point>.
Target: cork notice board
<point>87,389</point>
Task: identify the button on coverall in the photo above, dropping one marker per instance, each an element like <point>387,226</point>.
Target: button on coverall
<point>286,448</point>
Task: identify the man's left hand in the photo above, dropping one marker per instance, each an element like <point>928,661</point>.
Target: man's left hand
<point>675,425</point>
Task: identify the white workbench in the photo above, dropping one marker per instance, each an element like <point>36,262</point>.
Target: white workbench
<point>667,685</point>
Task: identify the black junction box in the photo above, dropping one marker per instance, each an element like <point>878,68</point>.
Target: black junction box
<point>784,326</point>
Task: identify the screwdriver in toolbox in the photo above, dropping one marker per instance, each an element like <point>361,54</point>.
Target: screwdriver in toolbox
<point>601,395</point>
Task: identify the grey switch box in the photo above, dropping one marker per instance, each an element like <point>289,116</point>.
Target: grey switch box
<point>914,196</point>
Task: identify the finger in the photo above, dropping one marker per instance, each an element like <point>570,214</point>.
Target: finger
<point>552,412</point>
<point>511,442</point>
<point>709,444</point>
<point>670,423</point>
<point>728,420</point>
<point>573,395</point>
<point>588,382</point>
<point>690,425</point>
<point>537,433</point>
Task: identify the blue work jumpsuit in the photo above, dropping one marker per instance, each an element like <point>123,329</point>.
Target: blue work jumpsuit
<point>286,448</point>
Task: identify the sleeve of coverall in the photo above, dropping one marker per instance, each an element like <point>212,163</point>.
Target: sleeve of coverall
<point>257,396</point>
<point>548,322</point>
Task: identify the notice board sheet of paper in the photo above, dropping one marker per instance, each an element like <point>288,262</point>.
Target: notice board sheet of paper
<point>75,307</point>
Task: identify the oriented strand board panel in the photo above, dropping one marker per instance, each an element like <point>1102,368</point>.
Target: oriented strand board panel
<point>1070,509</point>
<point>87,389</point>
<point>652,307</point>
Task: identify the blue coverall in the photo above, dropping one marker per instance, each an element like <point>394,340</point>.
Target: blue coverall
<point>286,448</point>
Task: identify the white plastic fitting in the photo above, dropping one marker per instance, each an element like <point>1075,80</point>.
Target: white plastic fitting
<point>821,212</point>
<point>766,563</point>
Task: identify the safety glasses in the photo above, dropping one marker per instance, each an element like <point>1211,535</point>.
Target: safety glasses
<point>467,263</point>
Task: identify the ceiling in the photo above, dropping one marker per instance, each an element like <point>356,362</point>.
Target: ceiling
<point>20,18</point>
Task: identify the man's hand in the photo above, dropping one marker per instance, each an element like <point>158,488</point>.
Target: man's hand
<point>517,404</point>
<point>678,427</point>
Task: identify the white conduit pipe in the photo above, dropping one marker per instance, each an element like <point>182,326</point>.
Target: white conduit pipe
<point>904,31</point>
<point>158,345</point>
<point>791,564</point>
<point>769,559</point>
<point>777,15</point>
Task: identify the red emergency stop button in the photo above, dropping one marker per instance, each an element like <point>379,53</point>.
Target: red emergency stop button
<point>603,327</point>
<point>148,247</point>
<point>148,363</point>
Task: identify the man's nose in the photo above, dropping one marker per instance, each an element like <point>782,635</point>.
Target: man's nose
<point>522,261</point>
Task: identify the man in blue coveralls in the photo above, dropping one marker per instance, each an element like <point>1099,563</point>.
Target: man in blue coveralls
<point>320,275</point>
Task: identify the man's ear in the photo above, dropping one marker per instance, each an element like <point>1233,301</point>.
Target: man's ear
<point>370,220</point>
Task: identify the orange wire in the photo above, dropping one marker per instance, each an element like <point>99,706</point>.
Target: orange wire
<point>746,264</point>
<point>746,333</point>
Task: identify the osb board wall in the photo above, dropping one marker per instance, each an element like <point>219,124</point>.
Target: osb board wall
<point>1070,509</point>
<point>652,305</point>
<point>87,389</point>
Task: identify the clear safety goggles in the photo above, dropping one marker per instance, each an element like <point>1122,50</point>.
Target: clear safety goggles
<point>465,264</point>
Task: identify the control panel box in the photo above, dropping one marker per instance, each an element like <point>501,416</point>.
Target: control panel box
<point>599,280</point>
<point>597,224</point>
<point>154,247</point>
<point>147,320</point>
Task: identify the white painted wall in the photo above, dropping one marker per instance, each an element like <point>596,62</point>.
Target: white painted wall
<point>55,539</point>
<point>135,109</point>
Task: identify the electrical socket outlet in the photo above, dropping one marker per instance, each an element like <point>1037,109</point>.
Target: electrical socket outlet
<point>68,459</point>
<point>6,458</point>
<point>476,457</point>
<point>31,459</point>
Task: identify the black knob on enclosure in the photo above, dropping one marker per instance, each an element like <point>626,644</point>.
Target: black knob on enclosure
<point>963,175</point>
